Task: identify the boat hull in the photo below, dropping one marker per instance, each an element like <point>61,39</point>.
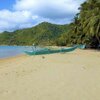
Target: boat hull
<point>48,51</point>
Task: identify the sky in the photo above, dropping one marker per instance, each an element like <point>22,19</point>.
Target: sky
<point>19,14</point>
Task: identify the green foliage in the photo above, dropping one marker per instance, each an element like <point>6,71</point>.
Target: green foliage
<point>42,34</point>
<point>89,21</point>
<point>85,28</point>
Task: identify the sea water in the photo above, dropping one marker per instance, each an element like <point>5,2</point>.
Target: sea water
<point>9,51</point>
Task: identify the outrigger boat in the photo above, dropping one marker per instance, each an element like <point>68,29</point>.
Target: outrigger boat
<point>50,51</point>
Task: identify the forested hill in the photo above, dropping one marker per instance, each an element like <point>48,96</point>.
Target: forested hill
<point>43,34</point>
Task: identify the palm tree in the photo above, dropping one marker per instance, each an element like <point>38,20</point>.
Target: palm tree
<point>90,18</point>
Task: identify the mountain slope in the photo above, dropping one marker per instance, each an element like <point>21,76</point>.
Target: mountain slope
<point>45,34</point>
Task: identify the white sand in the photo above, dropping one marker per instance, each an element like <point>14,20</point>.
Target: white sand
<point>70,76</point>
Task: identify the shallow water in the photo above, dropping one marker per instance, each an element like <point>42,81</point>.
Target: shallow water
<point>9,51</point>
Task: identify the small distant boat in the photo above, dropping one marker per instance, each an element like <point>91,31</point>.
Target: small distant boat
<point>50,51</point>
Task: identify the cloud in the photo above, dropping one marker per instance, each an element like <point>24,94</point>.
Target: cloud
<point>53,9</point>
<point>16,17</point>
<point>27,13</point>
<point>10,21</point>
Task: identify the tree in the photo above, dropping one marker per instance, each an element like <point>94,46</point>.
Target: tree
<point>90,19</point>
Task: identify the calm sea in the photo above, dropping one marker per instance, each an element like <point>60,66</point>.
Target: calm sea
<point>9,51</point>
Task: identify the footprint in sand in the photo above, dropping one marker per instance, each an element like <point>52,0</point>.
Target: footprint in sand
<point>4,92</point>
<point>16,72</point>
<point>6,73</point>
<point>83,67</point>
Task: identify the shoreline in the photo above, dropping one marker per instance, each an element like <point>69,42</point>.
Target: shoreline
<point>12,58</point>
<point>25,55</point>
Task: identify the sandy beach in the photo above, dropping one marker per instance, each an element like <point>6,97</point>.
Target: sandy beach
<point>69,76</point>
